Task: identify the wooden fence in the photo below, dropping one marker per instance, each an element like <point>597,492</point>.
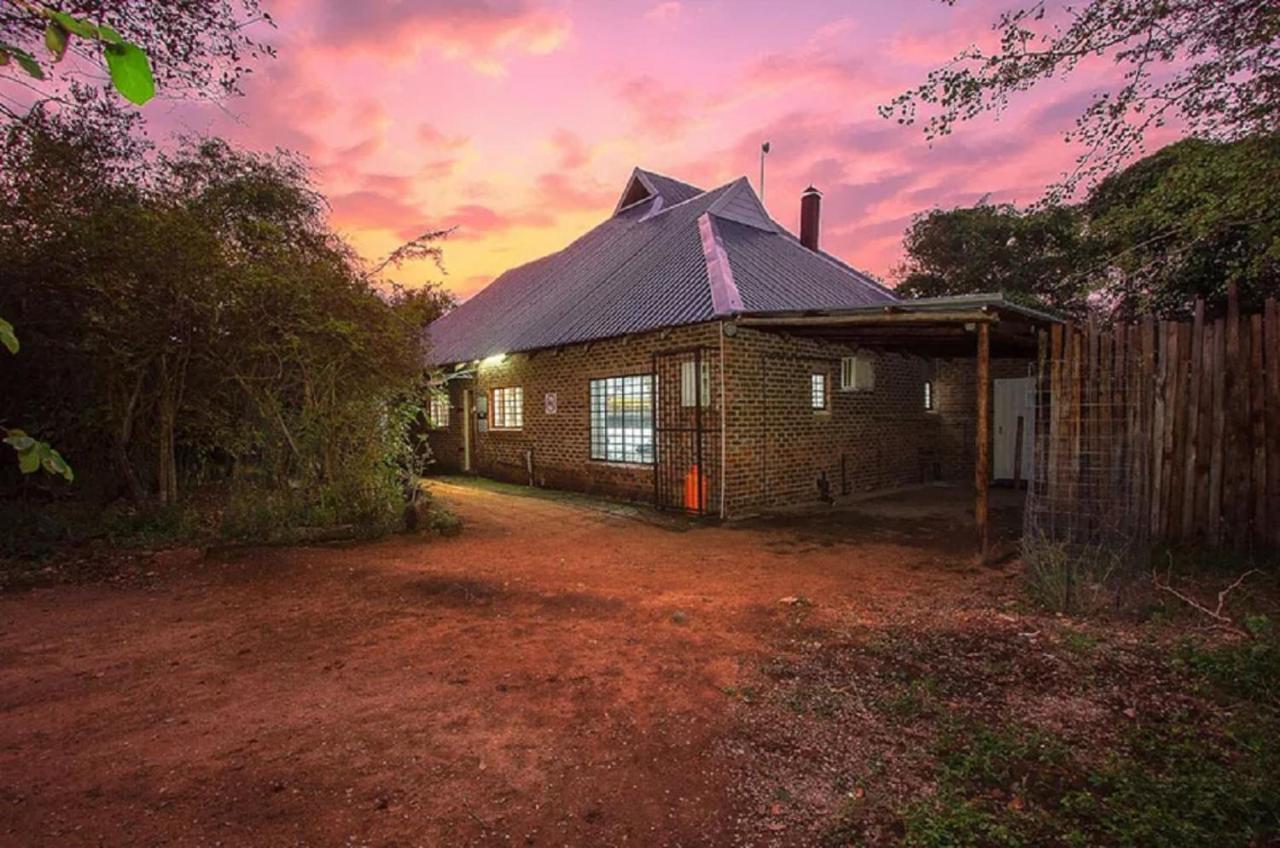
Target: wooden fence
<point>1160,432</point>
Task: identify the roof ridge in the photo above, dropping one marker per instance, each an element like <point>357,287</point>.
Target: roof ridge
<point>668,177</point>
<point>721,206</point>
<point>664,210</point>
<point>725,297</point>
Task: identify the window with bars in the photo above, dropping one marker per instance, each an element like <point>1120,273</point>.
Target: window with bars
<point>928,395</point>
<point>506,410</point>
<point>622,419</point>
<point>438,411</point>
<point>818,391</point>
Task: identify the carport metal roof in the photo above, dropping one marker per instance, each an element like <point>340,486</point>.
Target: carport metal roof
<point>935,326</point>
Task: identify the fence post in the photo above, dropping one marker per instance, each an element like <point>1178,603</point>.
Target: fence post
<point>982,469</point>
<point>1272,335</point>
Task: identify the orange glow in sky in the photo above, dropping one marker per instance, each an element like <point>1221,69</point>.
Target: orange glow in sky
<point>518,121</point>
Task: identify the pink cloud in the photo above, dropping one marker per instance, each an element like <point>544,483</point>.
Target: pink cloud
<point>473,220</point>
<point>481,34</point>
<point>659,109</point>
<point>431,136</point>
<point>665,12</point>
<point>572,153</point>
<point>373,210</point>
<point>563,193</point>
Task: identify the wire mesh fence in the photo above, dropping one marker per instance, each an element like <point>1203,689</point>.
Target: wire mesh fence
<point>1159,432</point>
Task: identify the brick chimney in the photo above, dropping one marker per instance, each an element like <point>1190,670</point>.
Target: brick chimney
<point>810,217</point>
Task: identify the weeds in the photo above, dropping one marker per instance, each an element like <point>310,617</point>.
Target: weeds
<point>1170,786</point>
<point>1071,579</point>
<point>913,700</point>
<point>1196,765</point>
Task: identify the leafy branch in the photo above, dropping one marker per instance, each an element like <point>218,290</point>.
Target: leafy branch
<point>127,63</point>
<point>33,454</point>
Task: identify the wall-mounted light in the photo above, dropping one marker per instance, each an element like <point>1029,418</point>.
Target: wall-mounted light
<point>496,359</point>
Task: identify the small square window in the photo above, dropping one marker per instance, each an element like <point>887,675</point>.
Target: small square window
<point>818,391</point>
<point>857,374</point>
<point>507,409</point>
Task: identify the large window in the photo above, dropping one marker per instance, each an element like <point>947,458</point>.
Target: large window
<point>622,419</point>
<point>507,409</point>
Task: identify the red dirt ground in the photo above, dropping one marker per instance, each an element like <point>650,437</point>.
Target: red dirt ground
<point>556,675</point>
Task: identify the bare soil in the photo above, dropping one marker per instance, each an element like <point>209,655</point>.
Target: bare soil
<point>559,674</point>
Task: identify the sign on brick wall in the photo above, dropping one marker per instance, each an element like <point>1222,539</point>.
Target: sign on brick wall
<point>550,401</point>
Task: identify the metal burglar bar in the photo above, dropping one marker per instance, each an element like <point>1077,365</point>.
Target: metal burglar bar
<point>686,427</point>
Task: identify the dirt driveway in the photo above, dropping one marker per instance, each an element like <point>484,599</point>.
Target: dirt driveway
<point>557,675</point>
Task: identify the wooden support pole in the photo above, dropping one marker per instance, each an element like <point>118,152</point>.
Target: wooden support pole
<point>982,464</point>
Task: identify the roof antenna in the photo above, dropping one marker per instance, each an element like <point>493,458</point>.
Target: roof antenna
<point>764,148</point>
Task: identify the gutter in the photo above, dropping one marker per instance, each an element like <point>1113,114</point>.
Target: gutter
<point>893,316</point>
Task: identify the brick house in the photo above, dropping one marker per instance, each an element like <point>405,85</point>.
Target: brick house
<point>691,352</point>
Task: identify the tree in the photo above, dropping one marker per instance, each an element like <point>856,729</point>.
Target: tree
<point>1212,64</point>
<point>193,318</point>
<point>191,49</point>
<point>1183,224</point>
<point>984,248</point>
<point>1173,227</point>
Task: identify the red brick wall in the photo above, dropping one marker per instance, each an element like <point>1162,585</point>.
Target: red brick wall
<point>776,444</point>
<point>779,445</point>
<point>560,442</point>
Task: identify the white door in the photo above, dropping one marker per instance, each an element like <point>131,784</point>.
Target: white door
<point>1013,404</point>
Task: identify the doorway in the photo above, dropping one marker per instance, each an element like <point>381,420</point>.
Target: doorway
<point>1013,442</point>
<point>687,430</point>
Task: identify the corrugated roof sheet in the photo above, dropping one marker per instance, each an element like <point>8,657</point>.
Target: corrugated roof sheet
<point>643,269</point>
<point>774,271</point>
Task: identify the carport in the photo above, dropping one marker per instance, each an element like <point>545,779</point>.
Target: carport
<point>979,326</point>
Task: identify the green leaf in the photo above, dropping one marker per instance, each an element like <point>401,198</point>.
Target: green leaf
<point>34,455</point>
<point>55,464</point>
<point>55,38</point>
<point>109,35</point>
<point>8,337</point>
<point>21,442</point>
<point>28,461</point>
<point>77,26</point>
<point>131,72</point>
<point>25,60</point>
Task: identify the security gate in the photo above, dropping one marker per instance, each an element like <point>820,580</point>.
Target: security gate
<point>687,430</point>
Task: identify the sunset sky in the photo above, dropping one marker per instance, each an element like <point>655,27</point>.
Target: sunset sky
<point>518,121</point>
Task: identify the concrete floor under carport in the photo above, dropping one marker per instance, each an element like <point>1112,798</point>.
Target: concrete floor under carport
<point>901,515</point>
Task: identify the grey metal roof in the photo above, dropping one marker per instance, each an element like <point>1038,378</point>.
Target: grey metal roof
<point>774,271</point>
<point>647,267</point>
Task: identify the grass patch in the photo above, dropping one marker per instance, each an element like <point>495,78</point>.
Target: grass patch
<point>914,699</point>
<point>1193,778</point>
<point>1081,643</point>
